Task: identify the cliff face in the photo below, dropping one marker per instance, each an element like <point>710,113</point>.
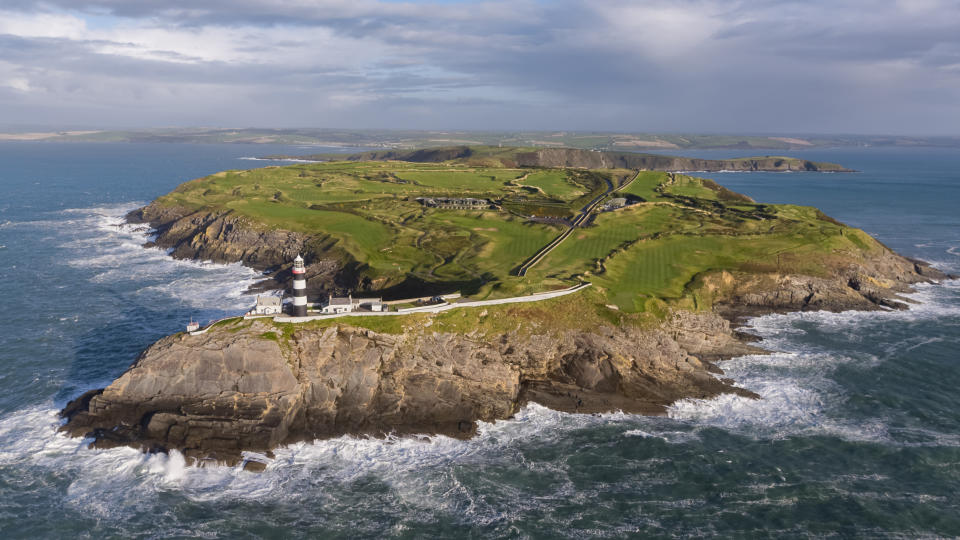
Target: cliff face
<point>219,236</point>
<point>874,282</point>
<point>225,237</point>
<point>568,157</point>
<point>229,390</point>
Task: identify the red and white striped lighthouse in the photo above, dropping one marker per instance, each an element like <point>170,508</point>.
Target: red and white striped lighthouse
<point>299,288</point>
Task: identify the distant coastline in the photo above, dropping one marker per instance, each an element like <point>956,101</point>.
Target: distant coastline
<point>406,139</point>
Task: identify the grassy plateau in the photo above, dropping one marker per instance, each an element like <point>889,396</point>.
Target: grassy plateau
<point>674,230</point>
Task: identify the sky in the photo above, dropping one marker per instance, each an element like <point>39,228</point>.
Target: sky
<point>753,66</point>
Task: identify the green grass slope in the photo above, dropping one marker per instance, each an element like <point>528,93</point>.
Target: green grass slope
<point>651,253</point>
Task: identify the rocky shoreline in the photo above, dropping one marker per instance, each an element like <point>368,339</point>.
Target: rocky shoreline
<point>224,237</point>
<point>253,387</point>
<point>216,395</point>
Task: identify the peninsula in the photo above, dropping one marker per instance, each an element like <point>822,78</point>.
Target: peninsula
<point>670,260</point>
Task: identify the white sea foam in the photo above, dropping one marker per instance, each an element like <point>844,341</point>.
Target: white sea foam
<point>796,390</point>
<point>639,433</point>
<point>103,242</point>
<point>933,301</point>
<point>286,160</point>
<point>798,395</point>
<point>114,481</point>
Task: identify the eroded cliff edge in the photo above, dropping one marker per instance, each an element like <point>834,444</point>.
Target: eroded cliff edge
<point>253,385</point>
<point>224,236</point>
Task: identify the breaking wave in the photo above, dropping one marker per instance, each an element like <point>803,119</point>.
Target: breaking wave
<point>799,394</point>
<point>105,481</point>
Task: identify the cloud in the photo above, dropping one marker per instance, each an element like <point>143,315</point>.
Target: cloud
<point>655,65</point>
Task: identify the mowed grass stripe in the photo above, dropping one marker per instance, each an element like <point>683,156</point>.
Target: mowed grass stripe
<point>555,184</point>
<point>645,183</point>
<point>662,268</point>
<point>610,231</point>
<point>362,237</point>
<point>503,243</point>
<point>481,181</point>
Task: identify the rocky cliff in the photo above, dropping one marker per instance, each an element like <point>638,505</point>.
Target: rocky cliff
<point>568,157</point>
<point>876,281</point>
<point>226,237</point>
<point>251,386</point>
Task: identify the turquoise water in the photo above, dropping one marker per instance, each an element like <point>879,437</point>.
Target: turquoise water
<point>858,433</point>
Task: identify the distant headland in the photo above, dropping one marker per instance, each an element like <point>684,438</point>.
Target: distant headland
<point>578,158</point>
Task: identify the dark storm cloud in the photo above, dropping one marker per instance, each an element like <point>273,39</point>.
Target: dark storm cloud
<point>705,65</point>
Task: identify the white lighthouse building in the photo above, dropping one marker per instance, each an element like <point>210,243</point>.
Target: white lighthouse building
<point>299,288</point>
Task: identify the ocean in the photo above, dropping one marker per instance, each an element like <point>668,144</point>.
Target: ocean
<point>857,434</point>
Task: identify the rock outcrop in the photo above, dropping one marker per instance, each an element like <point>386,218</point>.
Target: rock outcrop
<point>251,388</point>
<point>877,281</point>
<point>225,237</point>
<point>569,157</point>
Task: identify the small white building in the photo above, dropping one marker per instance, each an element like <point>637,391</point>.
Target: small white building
<point>267,305</point>
<point>370,304</point>
<point>193,326</point>
<point>347,304</point>
<point>338,304</point>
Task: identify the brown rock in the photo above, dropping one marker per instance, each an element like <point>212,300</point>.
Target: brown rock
<point>218,394</point>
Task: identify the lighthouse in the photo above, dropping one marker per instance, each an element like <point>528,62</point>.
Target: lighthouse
<point>299,288</point>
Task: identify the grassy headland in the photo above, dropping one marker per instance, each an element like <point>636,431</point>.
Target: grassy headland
<point>654,252</point>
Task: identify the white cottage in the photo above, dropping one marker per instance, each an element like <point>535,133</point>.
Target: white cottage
<point>338,304</point>
<point>267,305</point>
<point>370,304</point>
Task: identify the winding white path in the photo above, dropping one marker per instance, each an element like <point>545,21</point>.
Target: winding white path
<point>440,307</point>
<point>446,306</point>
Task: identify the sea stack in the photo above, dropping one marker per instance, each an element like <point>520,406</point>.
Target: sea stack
<point>299,288</point>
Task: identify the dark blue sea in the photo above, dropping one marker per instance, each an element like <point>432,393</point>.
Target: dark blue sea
<point>857,434</point>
